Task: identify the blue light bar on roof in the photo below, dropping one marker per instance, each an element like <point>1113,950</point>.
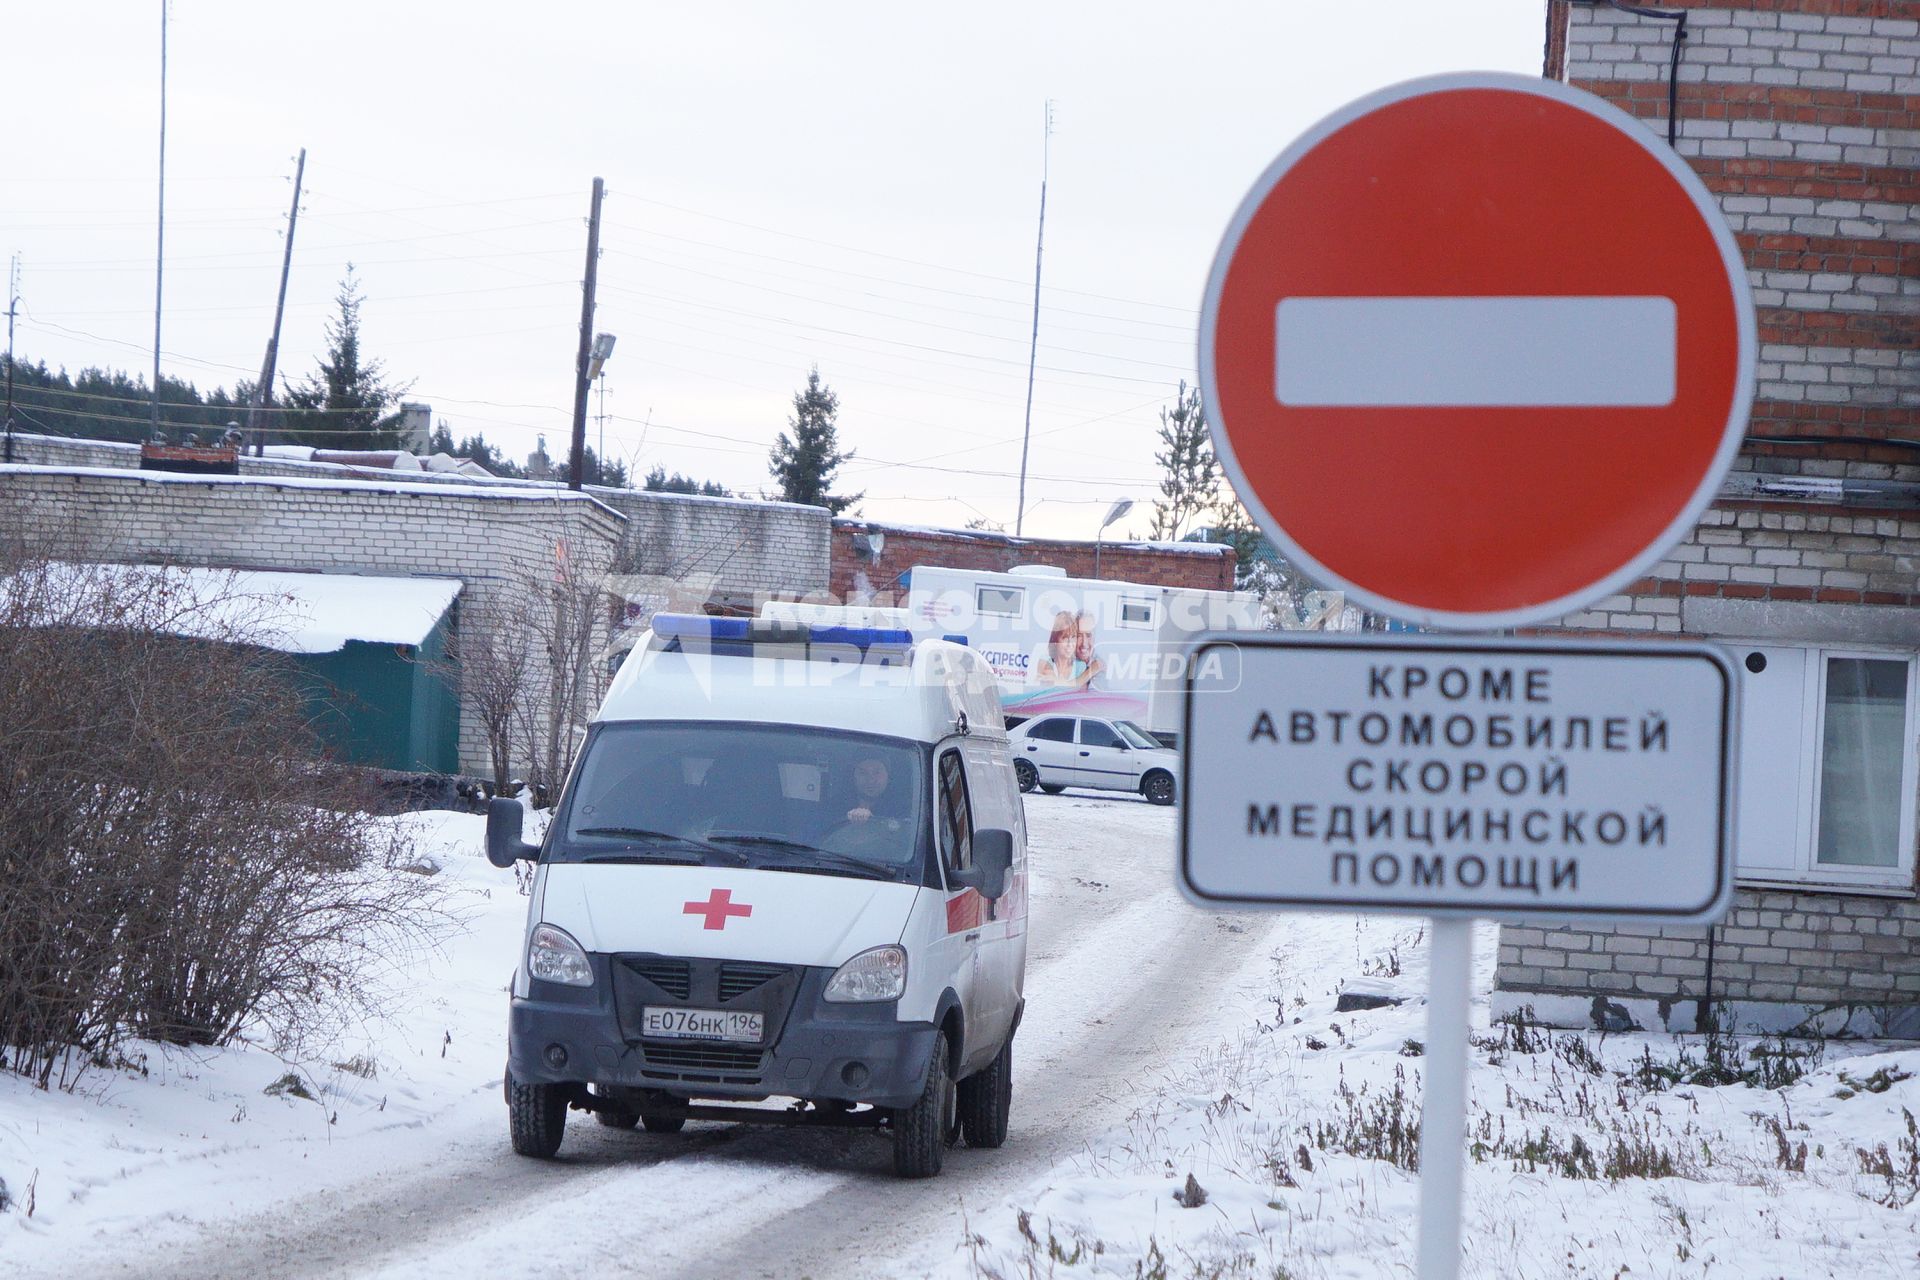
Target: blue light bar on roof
<point>738,637</point>
<point>698,626</point>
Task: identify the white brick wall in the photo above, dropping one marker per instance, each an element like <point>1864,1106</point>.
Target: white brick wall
<point>734,547</point>
<point>1858,55</point>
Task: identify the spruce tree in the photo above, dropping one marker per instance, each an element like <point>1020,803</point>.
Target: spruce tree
<point>358,408</point>
<point>805,463</point>
<point>1190,479</point>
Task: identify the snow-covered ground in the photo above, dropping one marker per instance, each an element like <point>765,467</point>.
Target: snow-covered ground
<point>142,1157</point>
<point>1160,1042</point>
<point>1586,1156</point>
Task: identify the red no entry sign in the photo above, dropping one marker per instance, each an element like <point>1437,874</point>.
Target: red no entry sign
<point>1478,349</point>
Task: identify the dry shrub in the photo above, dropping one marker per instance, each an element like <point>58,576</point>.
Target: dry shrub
<point>171,866</point>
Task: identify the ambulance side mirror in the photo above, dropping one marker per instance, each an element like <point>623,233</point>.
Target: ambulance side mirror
<point>505,818</point>
<point>992,859</point>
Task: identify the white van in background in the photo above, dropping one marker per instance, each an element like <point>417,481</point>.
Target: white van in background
<point>1077,646</point>
<point>790,863</point>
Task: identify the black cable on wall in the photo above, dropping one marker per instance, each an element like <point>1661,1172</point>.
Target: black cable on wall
<point>1678,17</point>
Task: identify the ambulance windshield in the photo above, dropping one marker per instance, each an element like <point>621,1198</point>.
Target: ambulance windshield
<point>765,796</point>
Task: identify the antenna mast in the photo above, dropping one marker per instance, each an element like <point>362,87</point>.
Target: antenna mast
<point>13,305</point>
<point>1033,349</point>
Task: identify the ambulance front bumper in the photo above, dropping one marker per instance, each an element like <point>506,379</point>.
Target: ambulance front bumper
<point>854,1053</point>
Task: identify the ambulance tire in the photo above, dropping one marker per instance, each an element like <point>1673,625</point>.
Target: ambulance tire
<point>1025,776</point>
<point>536,1117</point>
<point>985,1098</point>
<point>617,1119</point>
<point>663,1124</point>
<point>921,1131</point>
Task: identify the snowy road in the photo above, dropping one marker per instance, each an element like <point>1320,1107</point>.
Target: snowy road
<point>1125,982</point>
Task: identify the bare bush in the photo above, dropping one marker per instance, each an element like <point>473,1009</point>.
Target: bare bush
<point>169,867</point>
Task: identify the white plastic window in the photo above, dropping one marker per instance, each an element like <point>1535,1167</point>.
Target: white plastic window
<point>1827,767</point>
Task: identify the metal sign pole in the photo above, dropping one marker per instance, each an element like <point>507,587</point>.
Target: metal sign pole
<point>1443,1103</point>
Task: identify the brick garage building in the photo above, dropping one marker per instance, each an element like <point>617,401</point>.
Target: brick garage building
<point>1803,118</point>
<point>496,542</point>
<point>858,576</point>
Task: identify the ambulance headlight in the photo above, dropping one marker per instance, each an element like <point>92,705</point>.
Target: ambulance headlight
<point>553,956</point>
<point>879,974</point>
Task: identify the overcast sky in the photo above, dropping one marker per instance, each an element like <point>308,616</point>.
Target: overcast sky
<point>852,185</point>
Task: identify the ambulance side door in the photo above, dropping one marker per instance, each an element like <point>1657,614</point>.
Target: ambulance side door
<point>997,803</point>
<point>961,950</point>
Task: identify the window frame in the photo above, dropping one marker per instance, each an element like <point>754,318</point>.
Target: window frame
<point>1808,872</point>
<point>1017,595</point>
<point>1071,722</point>
<point>949,863</point>
<point>1119,739</point>
<point>1120,618</point>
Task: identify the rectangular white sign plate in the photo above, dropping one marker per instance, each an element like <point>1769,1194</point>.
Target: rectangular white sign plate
<point>1510,779</point>
<point>1584,352</point>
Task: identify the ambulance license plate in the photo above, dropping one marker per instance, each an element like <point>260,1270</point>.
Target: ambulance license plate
<point>700,1024</point>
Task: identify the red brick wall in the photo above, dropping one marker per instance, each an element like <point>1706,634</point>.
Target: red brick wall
<point>1205,566</point>
<point>1800,116</point>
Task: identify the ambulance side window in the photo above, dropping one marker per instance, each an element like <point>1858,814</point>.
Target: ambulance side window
<point>956,814</point>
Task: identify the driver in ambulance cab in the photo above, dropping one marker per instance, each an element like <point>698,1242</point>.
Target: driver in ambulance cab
<point>869,789</point>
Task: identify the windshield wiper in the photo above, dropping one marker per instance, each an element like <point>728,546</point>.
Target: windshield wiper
<point>662,858</point>
<point>813,858</point>
<point>644,833</point>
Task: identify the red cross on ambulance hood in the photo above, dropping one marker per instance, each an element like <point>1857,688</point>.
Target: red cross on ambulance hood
<point>776,917</point>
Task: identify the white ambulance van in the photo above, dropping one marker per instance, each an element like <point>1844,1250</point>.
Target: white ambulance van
<point>790,866</point>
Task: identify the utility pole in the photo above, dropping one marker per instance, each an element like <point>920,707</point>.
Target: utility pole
<point>580,380</point>
<point>160,251</point>
<point>13,305</point>
<point>1033,349</point>
<point>263,394</point>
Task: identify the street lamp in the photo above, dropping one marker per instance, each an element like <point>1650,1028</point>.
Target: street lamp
<point>597,368</point>
<point>1114,512</point>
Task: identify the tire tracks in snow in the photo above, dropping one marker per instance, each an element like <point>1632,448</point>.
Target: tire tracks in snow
<point>1115,993</point>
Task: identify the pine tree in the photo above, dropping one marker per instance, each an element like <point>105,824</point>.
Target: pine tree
<point>804,465</point>
<point>611,475</point>
<point>658,481</point>
<point>1190,483</point>
<point>357,409</point>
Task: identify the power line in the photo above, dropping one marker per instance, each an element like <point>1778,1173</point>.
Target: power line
<point>1186,330</point>
<point>874,253</point>
<point>892,315</point>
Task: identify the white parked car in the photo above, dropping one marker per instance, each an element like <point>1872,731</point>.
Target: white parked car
<point>1056,752</point>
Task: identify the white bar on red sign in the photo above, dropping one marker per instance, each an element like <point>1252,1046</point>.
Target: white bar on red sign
<point>1483,352</point>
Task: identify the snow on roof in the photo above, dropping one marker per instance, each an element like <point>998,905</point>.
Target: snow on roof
<point>857,524</point>
<point>320,612</point>
<point>288,611</point>
<point>426,488</point>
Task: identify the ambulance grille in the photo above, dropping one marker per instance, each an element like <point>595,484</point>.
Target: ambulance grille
<point>702,1061</point>
<point>674,977</point>
<point>738,978</point>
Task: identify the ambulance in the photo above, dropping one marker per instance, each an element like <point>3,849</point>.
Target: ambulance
<point>785,883</point>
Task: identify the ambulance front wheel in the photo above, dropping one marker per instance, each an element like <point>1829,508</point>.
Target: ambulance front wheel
<point>536,1117</point>
<point>985,1098</point>
<point>1025,775</point>
<point>922,1130</point>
